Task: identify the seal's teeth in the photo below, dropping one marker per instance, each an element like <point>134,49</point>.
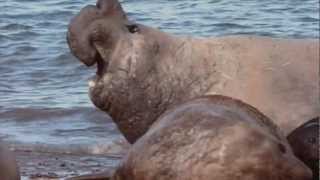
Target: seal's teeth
<point>91,84</point>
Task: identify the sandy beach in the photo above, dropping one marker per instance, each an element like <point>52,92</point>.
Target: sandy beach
<point>42,166</point>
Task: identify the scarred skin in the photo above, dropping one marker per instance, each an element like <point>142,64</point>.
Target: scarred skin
<point>212,137</point>
<point>142,71</point>
<point>8,166</point>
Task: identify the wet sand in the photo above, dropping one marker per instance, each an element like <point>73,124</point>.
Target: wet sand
<point>42,166</point>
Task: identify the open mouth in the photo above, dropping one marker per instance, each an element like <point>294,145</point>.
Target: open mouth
<point>101,65</point>
<point>101,68</point>
<point>101,57</point>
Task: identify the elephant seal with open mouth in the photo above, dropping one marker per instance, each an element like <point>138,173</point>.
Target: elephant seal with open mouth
<point>8,166</point>
<point>142,72</point>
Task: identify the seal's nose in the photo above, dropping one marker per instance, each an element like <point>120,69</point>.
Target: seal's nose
<point>78,35</point>
<point>110,8</point>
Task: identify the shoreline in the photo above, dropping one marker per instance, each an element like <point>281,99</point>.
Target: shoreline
<point>55,166</point>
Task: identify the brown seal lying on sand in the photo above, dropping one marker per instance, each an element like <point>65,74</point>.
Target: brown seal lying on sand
<point>142,72</point>
<point>305,144</point>
<point>8,166</point>
<point>211,137</point>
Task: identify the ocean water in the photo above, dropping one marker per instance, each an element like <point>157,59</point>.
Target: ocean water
<point>44,104</point>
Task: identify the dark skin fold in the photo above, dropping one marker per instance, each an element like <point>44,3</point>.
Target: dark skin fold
<point>305,144</point>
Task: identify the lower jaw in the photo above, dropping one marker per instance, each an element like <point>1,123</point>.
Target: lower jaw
<point>91,83</point>
<point>98,94</point>
<point>99,80</point>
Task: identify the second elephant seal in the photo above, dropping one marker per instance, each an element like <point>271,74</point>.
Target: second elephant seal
<point>212,137</point>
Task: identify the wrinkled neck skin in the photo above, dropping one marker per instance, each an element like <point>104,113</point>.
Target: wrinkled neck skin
<point>137,92</point>
<point>160,70</point>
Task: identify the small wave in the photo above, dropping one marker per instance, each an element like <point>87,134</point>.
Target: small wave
<point>258,33</point>
<point>64,59</point>
<point>116,148</point>
<point>230,25</point>
<point>45,24</point>
<point>14,27</point>
<point>4,38</point>
<point>42,113</point>
<point>57,14</point>
<point>308,19</point>
<point>24,50</point>
<point>23,35</point>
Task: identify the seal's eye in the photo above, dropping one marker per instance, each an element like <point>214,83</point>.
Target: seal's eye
<point>133,28</point>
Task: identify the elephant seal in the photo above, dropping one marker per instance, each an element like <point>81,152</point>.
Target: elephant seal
<point>142,72</point>
<point>8,166</point>
<point>305,144</point>
<point>212,137</point>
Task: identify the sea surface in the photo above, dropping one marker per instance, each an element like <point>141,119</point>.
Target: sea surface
<point>44,105</point>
